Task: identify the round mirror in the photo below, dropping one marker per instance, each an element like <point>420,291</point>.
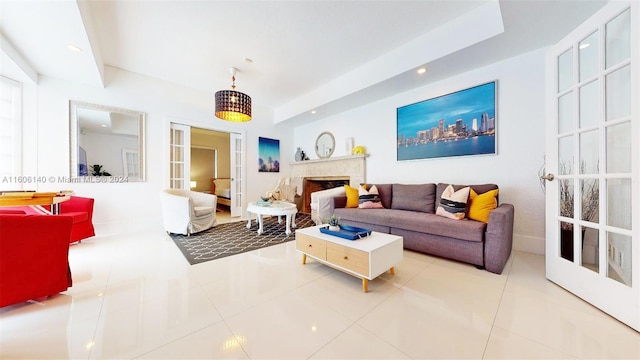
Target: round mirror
<point>325,144</point>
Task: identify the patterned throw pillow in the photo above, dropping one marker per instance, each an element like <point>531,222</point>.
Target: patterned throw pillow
<point>453,204</point>
<point>369,199</point>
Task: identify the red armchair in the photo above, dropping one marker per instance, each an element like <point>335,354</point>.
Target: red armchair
<point>80,209</point>
<point>34,256</point>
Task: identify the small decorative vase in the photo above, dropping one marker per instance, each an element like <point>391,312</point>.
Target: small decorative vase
<point>334,227</point>
<point>299,155</point>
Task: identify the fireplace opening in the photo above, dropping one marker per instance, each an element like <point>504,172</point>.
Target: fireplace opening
<point>313,184</point>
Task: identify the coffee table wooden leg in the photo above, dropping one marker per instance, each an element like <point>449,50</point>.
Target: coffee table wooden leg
<point>304,259</point>
<point>248,220</point>
<point>392,271</point>
<point>365,285</point>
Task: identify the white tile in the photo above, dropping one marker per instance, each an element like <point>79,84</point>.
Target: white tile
<point>427,328</point>
<point>504,344</point>
<point>135,295</point>
<point>358,343</point>
<point>287,327</point>
<point>212,342</point>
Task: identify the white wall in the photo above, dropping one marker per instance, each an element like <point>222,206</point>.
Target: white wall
<point>119,207</point>
<point>520,141</point>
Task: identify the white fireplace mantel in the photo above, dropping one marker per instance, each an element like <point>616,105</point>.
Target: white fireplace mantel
<point>352,166</point>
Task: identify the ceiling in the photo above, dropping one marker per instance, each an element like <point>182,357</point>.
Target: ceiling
<point>326,56</point>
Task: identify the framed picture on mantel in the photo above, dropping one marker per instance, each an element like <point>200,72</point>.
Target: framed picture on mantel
<point>268,155</point>
<point>456,124</point>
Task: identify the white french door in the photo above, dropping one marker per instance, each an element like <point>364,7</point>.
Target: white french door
<point>593,162</point>
<point>180,156</point>
<point>237,174</point>
<point>180,164</point>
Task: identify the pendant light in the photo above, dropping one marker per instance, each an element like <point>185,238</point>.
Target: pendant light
<point>233,105</point>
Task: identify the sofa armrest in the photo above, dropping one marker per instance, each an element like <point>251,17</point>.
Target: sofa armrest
<point>322,201</point>
<point>498,238</point>
<point>203,199</point>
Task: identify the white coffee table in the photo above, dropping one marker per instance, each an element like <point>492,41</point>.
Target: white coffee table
<point>275,208</point>
<point>365,258</point>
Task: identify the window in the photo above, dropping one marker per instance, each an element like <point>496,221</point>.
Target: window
<point>10,134</point>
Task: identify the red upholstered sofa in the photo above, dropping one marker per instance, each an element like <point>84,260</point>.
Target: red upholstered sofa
<point>34,256</point>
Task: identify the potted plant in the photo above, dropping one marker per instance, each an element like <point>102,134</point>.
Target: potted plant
<point>334,223</point>
<point>96,170</point>
<point>590,193</point>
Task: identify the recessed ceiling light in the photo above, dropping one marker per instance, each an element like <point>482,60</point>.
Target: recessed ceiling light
<point>584,46</point>
<point>103,125</point>
<point>422,70</point>
<point>74,48</point>
<point>313,111</point>
<point>248,61</point>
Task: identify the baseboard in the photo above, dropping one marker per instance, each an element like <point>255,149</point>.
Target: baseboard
<point>530,244</point>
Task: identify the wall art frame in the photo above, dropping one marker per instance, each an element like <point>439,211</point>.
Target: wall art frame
<point>268,155</point>
<point>459,123</point>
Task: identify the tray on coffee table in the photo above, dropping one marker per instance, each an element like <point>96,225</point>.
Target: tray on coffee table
<point>347,232</point>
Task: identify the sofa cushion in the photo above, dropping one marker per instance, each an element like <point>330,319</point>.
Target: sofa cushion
<point>469,230</point>
<point>453,203</point>
<point>385,191</point>
<point>419,197</point>
<point>352,196</point>
<point>369,199</point>
<point>383,217</point>
<point>481,205</point>
<point>77,216</point>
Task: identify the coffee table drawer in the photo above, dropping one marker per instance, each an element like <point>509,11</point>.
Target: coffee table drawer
<point>312,246</point>
<point>352,259</point>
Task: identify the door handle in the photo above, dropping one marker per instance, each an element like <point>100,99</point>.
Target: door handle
<point>548,177</point>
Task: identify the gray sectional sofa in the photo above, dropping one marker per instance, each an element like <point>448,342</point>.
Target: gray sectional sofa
<point>409,211</point>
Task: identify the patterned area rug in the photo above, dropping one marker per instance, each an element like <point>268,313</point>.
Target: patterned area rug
<point>234,238</point>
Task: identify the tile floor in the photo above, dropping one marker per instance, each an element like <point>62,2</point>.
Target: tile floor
<point>135,296</point>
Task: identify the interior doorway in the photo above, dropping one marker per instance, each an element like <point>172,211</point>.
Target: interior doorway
<point>201,158</point>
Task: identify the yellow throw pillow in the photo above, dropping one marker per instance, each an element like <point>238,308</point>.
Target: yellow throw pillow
<point>482,205</point>
<point>352,196</point>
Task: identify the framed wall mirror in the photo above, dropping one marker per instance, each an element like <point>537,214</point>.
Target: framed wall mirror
<point>325,144</point>
<point>106,141</point>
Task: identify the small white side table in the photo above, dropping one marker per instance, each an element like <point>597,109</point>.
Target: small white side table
<point>275,208</point>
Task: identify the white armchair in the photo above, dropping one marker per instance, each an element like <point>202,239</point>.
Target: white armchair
<point>322,203</point>
<point>187,212</point>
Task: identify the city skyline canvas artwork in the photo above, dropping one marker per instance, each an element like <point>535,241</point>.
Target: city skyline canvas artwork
<point>268,155</point>
<point>456,124</point>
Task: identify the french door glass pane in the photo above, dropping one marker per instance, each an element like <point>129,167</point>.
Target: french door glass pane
<point>590,196</point>
<point>619,148</point>
<point>565,155</point>
<point>565,113</point>
<point>565,70</point>
<point>619,93</point>
<point>618,39</point>
<point>619,258</point>
<point>566,197</point>
<point>589,161</point>
<point>589,101</point>
<point>566,240</point>
<point>588,56</point>
<point>619,203</point>
<point>590,249</point>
